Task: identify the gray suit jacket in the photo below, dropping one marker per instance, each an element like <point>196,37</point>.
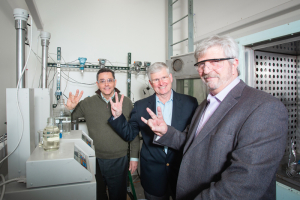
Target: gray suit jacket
<point>238,150</point>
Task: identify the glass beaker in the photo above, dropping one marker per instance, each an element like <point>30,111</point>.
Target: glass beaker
<point>62,118</point>
<point>41,132</point>
<point>51,136</point>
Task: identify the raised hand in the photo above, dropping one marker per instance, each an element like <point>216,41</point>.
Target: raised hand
<point>116,108</point>
<point>157,123</point>
<point>73,100</point>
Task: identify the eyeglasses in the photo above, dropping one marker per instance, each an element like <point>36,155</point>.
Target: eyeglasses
<point>103,81</point>
<point>163,79</point>
<point>214,63</point>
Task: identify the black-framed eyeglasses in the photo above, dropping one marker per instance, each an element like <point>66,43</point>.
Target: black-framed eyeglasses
<point>103,81</point>
<point>213,62</point>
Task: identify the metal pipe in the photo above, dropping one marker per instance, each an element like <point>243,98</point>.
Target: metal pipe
<point>21,17</point>
<point>173,3</point>
<point>45,37</point>
<point>179,41</point>
<point>179,20</point>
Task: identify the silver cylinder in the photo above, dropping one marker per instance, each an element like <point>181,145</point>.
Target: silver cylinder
<point>20,26</point>
<point>45,37</point>
<point>45,45</point>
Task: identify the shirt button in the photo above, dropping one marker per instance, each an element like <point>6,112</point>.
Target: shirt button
<point>167,164</point>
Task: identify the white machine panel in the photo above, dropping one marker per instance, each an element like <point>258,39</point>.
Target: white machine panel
<point>15,126</point>
<point>69,164</point>
<point>82,140</point>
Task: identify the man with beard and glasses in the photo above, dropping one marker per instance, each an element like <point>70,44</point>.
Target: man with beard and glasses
<point>110,148</point>
<point>236,138</point>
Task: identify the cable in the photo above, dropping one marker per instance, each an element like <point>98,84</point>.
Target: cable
<point>25,66</point>
<point>3,189</point>
<point>68,79</point>
<point>77,81</point>
<point>51,80</point>
<point>9,181</point>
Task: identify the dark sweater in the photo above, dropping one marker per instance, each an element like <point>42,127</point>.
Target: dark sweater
<point>108,144</point>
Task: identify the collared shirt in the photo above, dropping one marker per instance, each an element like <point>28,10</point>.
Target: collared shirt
<point>214,102</point>
<point>107,101</point>
<point>167,110</point>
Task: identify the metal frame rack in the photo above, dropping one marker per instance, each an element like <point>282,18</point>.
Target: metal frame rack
<point>171,23</point>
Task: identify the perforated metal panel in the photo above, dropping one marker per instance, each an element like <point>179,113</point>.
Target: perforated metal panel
<point>276,74</point>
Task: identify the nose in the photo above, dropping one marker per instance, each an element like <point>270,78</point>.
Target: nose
<point>206,68</point>
<point>160,81</point>
<point>106,82</point>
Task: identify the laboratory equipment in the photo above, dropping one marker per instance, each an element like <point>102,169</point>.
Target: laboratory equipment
<point>84,142</point>
<point>51,136</point>
<point>186,79</point>
<point>137,66</point>
<point>58,92</point>
<point>102,62</point>
<point>19,128</point>
<point>82,63</point>
<point>69,164</point>
<point>21,17</point>
<point>41,138</point>
<point>45,37</point>
<point>147,65</point>
<point>62,118</point>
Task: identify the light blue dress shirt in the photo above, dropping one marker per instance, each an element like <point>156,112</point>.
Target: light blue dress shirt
<point>167,110</point>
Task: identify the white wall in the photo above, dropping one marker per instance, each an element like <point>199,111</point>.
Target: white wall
<point>105,29</point>
<point>237,18</point>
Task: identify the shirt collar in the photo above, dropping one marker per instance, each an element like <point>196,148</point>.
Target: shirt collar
<point>171,97</point>
<point>105,98</point>
<point>221,95</point>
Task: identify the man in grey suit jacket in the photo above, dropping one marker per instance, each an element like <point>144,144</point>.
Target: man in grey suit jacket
<point>236,138</point>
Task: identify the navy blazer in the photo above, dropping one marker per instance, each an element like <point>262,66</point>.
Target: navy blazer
<point>157,168</point>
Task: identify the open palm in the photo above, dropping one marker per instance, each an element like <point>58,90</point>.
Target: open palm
<point>73,100</point>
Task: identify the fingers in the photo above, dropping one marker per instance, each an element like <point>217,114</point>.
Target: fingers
<point>159,113</point>
<point>77,92</point>
<point>111,103</point>
<point>153,116</point>
<point>80,95</point>
<point>144,120</point>
<point>116,97</point>
<point>121,100</point>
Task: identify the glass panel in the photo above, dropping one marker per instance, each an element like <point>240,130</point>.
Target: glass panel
<point>192,87</point>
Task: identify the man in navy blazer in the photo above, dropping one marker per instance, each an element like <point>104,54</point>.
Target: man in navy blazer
<point>159,164</point>
<point>237,136</point>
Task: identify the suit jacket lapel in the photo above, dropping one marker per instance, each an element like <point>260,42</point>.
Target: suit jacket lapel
<point>151,105</point>
<point>225,106</point>
<point>177,106</point>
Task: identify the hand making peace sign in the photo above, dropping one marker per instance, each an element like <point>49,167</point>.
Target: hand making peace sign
<point>73,100</point>
<point>116,108</point>
<point>157,123</point>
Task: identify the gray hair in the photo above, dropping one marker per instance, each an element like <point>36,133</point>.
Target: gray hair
<point>227,43</point>
<point>157,67</point>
